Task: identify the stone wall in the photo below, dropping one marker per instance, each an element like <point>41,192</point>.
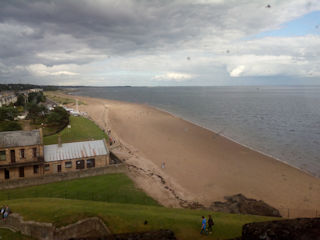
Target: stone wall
<point>89,227</point>
<point>162,234</point>
<point>51,168</point>
<point>293,229</point>
<point>28,154</point>
<point>15,183</point>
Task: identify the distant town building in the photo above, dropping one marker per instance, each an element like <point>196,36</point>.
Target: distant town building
<point>35,90</point>
<point>23,155</point>
<point>7,98</point>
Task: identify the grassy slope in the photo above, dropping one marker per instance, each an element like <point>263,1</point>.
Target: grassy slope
<point>6,234</point>
<point>127,217</point>
<point>61,100</point>
<point>82,129</point>
<point>111,188</point>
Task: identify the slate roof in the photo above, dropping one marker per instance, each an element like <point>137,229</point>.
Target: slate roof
<point>19,138</point>
<point>74,150</point>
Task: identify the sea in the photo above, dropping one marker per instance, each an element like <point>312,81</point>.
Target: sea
<point>282,122</point>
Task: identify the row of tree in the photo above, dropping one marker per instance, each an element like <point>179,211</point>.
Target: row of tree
<point>33,97</point>
<point>19,87</point>
<point>37,113</point>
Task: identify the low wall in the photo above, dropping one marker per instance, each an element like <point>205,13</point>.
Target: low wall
<point>15,183</point>
<point>293,229</point>
<point>89,227</point>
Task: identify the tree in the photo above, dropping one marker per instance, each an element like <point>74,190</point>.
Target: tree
<point>36,97</point>
<point>58,116</point>
<point>21,101</point>
<point>8,113</point>
<point>36,112</point>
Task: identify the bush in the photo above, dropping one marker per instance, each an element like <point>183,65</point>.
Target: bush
<point>9,126</point>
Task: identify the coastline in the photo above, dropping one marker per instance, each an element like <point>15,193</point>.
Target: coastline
<point>230,139</point>
<point>227,166</point>
<point>208,129</point>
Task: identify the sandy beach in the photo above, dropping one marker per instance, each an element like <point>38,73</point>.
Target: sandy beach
<point>200,165</point>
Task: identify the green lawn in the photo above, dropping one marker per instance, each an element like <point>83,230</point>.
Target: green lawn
<point>111,188</point>
<point>82,129</point>
<point>62,100</point>
<point>6,234</point>
<point>123,207</point>
<point>122,218</point>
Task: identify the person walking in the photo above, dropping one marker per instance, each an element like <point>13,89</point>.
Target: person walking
<point>210,224</point>
<point>6,213</point>
<point>204,226</point>
<point>2,210</point>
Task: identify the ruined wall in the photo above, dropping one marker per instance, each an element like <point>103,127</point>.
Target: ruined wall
<point>293,229</point>
<point>89,227</point>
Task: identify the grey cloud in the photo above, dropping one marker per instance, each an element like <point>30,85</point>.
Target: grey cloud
<point>80,32</point>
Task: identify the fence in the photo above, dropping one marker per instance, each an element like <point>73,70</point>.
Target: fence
<point>299,213</point>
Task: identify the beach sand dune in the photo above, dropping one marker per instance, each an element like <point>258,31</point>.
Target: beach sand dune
<point>202,165</point>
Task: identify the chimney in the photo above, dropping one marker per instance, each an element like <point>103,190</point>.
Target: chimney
<point>59,141</point>
<point>41,135</point>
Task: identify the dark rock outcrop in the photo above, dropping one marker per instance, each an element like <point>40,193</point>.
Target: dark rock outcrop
<point>240,204</point>
<point>294,229</point>
<point>153,235</point>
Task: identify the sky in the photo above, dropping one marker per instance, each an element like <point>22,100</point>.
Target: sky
<point>160,42</point>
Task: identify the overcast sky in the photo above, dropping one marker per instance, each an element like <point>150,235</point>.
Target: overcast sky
<point>160,42</point>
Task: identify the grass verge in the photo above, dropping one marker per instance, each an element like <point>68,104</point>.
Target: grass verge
<point>61,100</point>
<point>110,187</point>
<point>82,129</point>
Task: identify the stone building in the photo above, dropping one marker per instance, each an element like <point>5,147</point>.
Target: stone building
<point>21,154</point>
<point>75,156</point>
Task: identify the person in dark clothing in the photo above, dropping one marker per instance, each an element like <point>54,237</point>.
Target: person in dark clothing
<point>210,224</point>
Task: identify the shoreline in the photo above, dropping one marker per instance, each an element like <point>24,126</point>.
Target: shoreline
<point>208,129</point>
<point>201,165</point>
<point>231,139</point>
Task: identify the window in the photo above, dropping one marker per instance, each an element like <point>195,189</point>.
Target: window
<point>6,174</point>
<point>68,164</point>
<point>2,155</point>
<point>13,156</point>
<point>21,171</point>
<point>21,153</point>
<point>47,167</point>
<point>91,163</point>
<point>34,152</point>
<point>36,169</point>
<point>80,164</point>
